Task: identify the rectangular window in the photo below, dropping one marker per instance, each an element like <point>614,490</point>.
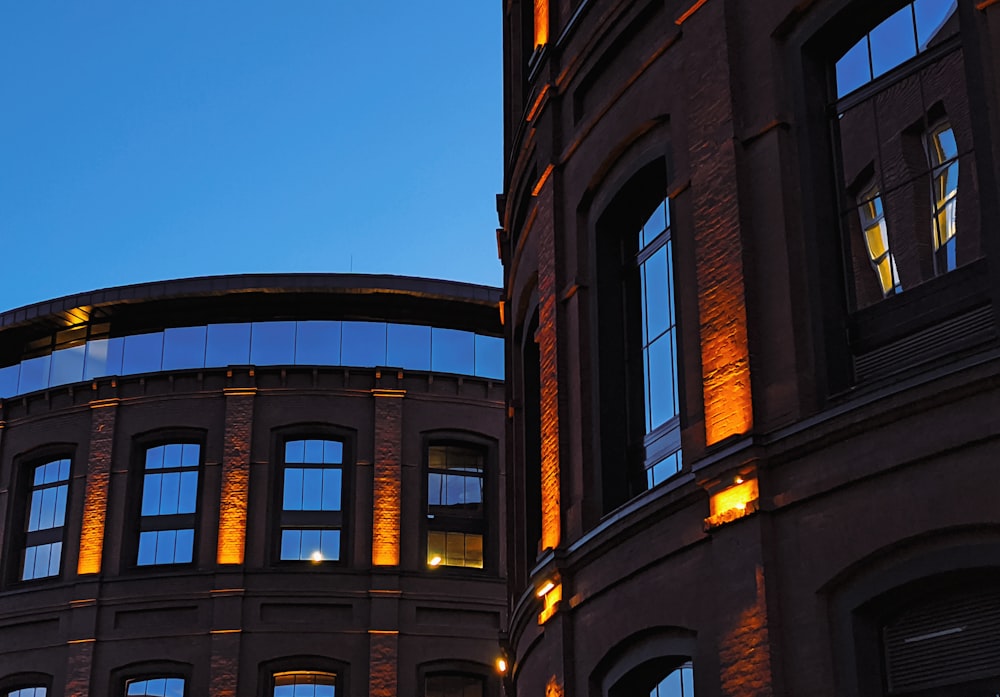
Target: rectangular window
<point>169,504</point>
<point>311,500</point>
<point>158,687</point>
<point>304,684</point>
<point>46,518</point>
<point>455,506</point>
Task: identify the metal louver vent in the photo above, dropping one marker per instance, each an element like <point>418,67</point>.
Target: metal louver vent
<point>959,332</point>
<point>944,641</point>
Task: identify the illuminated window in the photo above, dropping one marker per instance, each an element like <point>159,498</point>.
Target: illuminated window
<point>453,686</point>
<point>155,687</point>
<point>304,684</point>
<point>43,536</point>
<point>944,192</point>
<point>311,498</point>
<point>679,683</point>
<point>455,506</point>
<point>28,692</point>
<point>873,227</point>
<point>169,504</point>
<point>903,133</point>
<point>661,440</point>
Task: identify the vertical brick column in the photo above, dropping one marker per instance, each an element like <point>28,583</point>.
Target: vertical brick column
<point>235,475</point>
<point>81,656</point>
<point>387,476</point>
<point>225,663</point>
<point>95,502</point>
<point>717,233</point>
<point>544,232</point>
<point>383,670</point>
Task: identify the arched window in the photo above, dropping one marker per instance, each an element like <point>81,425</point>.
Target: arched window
<point>453,685</point>
<point>312,483</point>
<point>45,518</point>
<point>27,692</point>
<point>155,687</point>
<point>304,683</point>
<point>656,662</point>
<point>169,504</point>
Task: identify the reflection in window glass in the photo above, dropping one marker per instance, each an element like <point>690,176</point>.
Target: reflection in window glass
<point>304,684</point>
<point>454,549</point>
<point>8,380</point>
<point>46,518</point>
<point>409,346</point>
<point>363,343</point>
<point>489,357</point>
<point>272,343</point>
<point>875,230</point>
<point>453,351</point>
<point>168,504</point>
<point>143,353</point>
<point>28,692</point>
<point>104,357</point>
<point>453,686</point>
<point>67,365</point>
<point>34,374</point>
<point>892,42</point>
<point>680,683</point>
<point>944,191</point>
<point>455,506</point>
<point>317,343</point>
<point>155,687</point>
<point>184,347</point>
<point>311,497</point>
<point>228,344</point>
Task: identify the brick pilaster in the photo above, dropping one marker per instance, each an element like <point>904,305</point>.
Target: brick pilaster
<point>387,476</point>
<point>95,504</point>
<point>235,475</point>
<point>383,670</point>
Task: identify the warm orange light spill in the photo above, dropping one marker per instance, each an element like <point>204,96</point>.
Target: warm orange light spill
<point>537,105</point>
<point>745,651</point>
<point>541,22</point>
<point>386,506</point>
<point>95,498</point>
<point>725,359</point>
<point>733,503</point>
<point>235,477</point>
<point>550,599</point>
<point>542,179</point>
<point>553,688</point>
<point>383,657</point>
<point>690,11</point>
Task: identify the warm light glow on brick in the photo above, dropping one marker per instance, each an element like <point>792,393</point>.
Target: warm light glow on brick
<point>541,22</point>
<point>388,445</point>
<point>553,688</point>
<point>733,503</point>
<point>550,599</point>
<point>383,656</point>
<point>95,498</point>
<point>235,478</point>
<point>744,650</point>
<point>725,359</point>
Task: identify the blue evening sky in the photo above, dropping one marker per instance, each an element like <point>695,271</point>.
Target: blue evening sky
<point>142,140</point>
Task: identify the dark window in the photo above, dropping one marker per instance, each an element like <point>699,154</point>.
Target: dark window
<point>658,339</point>
<point>304,684</point>
<point>903,129</point>
<point>311,500</point>
<point>679,683</point>
<point>453,686</point>
<point>46,518</point>
<point>456,522</point>
<point>169,504</point>
<point>160,687</point>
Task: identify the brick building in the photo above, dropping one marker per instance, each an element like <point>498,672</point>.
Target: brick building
<point>752,338</point>
<point>260,485</point>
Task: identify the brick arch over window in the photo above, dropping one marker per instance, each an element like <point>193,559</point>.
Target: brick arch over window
<point>285,667</point>
<point>154,669</point>
<point>901,616</point>
<point>28,684</point>
<point>638,664</point>
<point>448,675</point>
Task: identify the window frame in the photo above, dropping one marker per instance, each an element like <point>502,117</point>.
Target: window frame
<point>302,519</point>
<point>24,681</point>
<point>140,446</point>
<point>487,448</point>
<point>151,670</point>
<point>492,682</point>
<point>302,663</point>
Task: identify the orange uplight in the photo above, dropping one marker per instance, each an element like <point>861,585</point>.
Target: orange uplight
<point>95,500</point>
<point>386,509</point>
<point>725,359</point>
<point>744,647</point>
<point>501,665</point>
<point>541,22</point>
<point>733,503</point>
<point>551,594</point>
<point>233,513</point>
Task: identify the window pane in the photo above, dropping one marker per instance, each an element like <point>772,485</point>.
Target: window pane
<point>67,365</point>
<point>314,451</point>
<point>435,484</point>
<point>272,343</point>
<point>47,517</point>
<point>35,515</point>
<point>60,513</point>
<point>661,382</point>
<point>104,357</point>
<point>331,489</point>
<point>184,546</point>
<point>188,501</point>
<point>853,70</point>
<point>165,542</point>
<point>8,380</point>
<point>317,343</point>
<point>893,42</point>
<point>147,548</point>
<point>656,294</point>
<point>489,357</point>
<point>330,544</point>
<point>34,374</point>
<point>154,458</point>
<point>143,353</point>
<point>227,344</point>
<point>409,346</point>
<point>170,485</point>
<point>455,549</point>
<point>291,543</point>
<point>292,494</point>
<point>312,489</point>
<point>190,455</point>
<point>184,347</point>
<point>474,551</point>
<point>931,16</point>
<point>453,351</point>
<point>310,544</point>
<point>333,452</point>
<point>453,686</point>
<point>435,548</point>
<point>295,451</point>
<point>363,343</point>
<point>172,455</point>
<point>28,571</point>
<point>42,556</point>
